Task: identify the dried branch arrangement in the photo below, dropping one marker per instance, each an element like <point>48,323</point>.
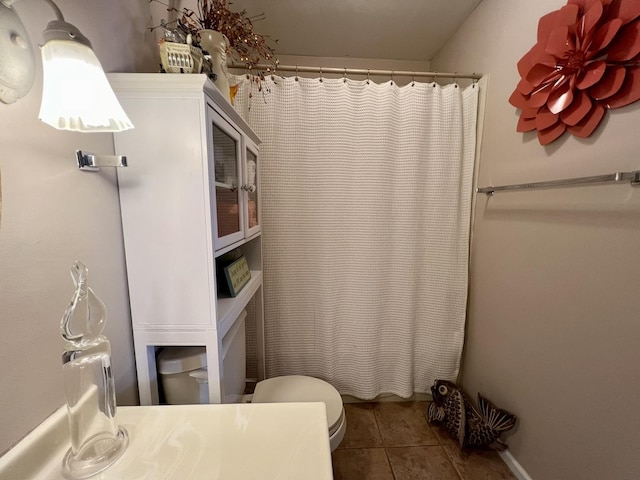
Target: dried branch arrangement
<point>246,47</point>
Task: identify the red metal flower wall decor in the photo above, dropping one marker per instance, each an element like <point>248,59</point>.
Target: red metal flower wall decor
<point>586,60</point>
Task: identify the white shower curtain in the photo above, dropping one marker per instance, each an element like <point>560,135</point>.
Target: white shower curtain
<point>366,201</point>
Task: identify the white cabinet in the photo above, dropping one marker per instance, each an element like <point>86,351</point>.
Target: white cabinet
<point>190,194</point>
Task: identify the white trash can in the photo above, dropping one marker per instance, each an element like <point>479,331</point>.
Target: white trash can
<point>183,370</point>
<point>183,373</point>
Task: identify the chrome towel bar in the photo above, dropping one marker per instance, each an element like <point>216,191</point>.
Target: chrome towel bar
<point>618,177</point>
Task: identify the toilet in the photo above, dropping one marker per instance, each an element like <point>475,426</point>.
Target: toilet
<point>184,379</point>
<point>300,388</point>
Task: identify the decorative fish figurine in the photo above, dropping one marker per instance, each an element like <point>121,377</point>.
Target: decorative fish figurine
<point>471,426</point>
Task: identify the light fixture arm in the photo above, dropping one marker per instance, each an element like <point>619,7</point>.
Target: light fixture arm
<point>55,8</point>
<point>59,29</point>
<point>51,3</point>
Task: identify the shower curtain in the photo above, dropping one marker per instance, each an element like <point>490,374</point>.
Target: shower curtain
<point>366,201</point>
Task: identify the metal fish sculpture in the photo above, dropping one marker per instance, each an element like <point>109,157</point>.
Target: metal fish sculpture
<point>471,426</point>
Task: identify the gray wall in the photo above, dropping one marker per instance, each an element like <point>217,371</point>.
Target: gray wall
<point>553,326</point>
<point>53,214</point>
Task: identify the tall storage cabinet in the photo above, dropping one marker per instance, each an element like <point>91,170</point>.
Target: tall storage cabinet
<point>189,195</point>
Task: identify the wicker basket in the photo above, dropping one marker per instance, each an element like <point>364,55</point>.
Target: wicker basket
<point>180,58</point>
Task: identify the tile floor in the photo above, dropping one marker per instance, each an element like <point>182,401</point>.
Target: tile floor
<point>394,441</point>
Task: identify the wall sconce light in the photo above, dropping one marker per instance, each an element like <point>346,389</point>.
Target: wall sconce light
<point>76,94</point>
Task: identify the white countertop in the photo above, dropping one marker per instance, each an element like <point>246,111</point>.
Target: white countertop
<point>283,441</point>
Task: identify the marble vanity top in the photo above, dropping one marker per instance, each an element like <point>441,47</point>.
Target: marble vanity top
<point>283,441</point>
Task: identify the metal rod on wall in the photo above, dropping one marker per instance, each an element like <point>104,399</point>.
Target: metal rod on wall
<point>360,71</point>
<point>92,163</point>
<point>618,177</point>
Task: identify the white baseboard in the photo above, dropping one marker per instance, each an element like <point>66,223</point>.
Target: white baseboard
<point>514,466</point>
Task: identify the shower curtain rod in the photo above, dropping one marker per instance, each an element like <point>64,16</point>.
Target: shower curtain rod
<point>361,71</point>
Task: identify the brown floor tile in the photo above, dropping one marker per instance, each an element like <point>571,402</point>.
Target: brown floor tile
<point>361,464</point>
<point>362,430</point>
<point>403,424</point>
<point>478,464</point>
<point>421,463</point>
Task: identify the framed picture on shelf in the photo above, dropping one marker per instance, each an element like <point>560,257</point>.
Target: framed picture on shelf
<point>237,274</point>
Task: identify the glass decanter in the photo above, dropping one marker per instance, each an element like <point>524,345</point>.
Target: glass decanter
<point>96,439</point>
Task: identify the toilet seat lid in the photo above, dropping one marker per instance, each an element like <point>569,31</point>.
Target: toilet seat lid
<point>300,388</point>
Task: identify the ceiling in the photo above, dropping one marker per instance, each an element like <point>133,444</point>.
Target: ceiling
<point>382,29</point>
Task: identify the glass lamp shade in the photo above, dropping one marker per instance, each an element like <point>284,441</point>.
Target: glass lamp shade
<point>76,94</point>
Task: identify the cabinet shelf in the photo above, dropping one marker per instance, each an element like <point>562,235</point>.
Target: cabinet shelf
<point>233,246</point>
<point>229,308</point>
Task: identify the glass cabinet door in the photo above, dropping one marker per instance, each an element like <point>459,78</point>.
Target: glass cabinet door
<point>251,187</point>
<point>226,146</point>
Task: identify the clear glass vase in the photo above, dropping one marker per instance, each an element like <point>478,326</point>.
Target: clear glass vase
<point>96,439</point>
